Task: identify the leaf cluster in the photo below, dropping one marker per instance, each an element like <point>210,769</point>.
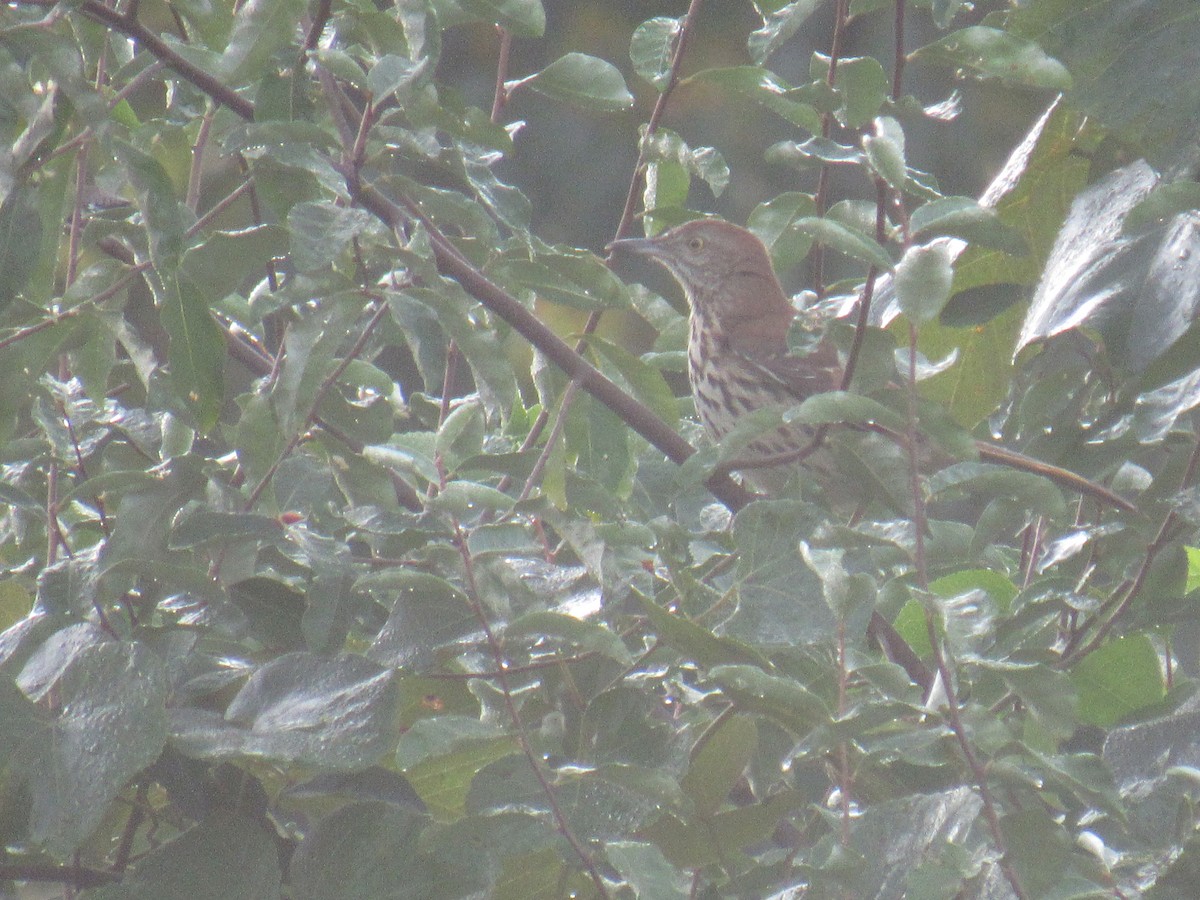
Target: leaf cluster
<point>331,569</point>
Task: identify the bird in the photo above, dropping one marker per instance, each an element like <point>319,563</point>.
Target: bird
<point>739,360</point>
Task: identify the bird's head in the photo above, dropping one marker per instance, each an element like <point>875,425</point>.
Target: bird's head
<point>726,275</point>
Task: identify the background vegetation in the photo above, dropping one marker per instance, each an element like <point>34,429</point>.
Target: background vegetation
<point>353,544</point>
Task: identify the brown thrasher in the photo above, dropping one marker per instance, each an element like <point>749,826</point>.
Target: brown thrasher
<point>738,359</point>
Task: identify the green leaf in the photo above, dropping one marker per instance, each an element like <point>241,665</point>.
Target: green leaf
<point>321,232</point>
<point>444,782</point>
<point>525,18</point>
<point>600,442</point>
<point>814,153</point>
<point>665,146</point>
<point>666,191</point>
<point>1115,50</point>
<point>576,633</point>
<point>464,498</point>
<point>964,218</point>
<point>20,240</point>
<point>197,525</point>
<point>159,205</point>
<point>577,280</point>
<point>221,264</point>
<point>764,87</point>
<point>197,349</point>
<point>646,383</point>
<point>778,27</point>
<point>112,695</point>
<point>997,585</point>
<point>302,708</point>
<point>718,761</point>
<point>771,223</point>
<point>922,281</point>
<point>1162,204</point>
<point>993,53</point>
<point>394,76</point>
<point>862,84</point>
<point>439,736</point>
<point>1193,571</point>
<point>584,81</point>
<point>1117,680</point>
<point>228,856</point>
<point>260,28</point>
<point>651,48</point>
<point>981,479</point>
<point>831,407</point>
<point>1031,195</point>
<point>781,699</point>
<point>845,240</point>
<point>885,152</point>
<point>695,642</point>
<point>647,871</point>
<point>1040,849</point>
<point>427,614</point>
<point>374,849</point>
<point>695,845</point>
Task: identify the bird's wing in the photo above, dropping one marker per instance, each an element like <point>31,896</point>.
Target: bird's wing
<point>803,376</point>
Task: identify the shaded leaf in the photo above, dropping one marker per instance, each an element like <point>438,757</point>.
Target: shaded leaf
<point>113,723</point>
<point>778,27</point>
<point>20,240</point>
<point>260,28</point>
<point>993,53</point>
<point>302,708</point>
<point>885,151</point>
<point>1117,680</point>
<point>844,239</point>
<point>964,218</point>
<point>526,18</point>
<point>764,87</point>
<point>226,857</point>
<point>583,80</point>
<point>651,49</point>
<point>923,278</point>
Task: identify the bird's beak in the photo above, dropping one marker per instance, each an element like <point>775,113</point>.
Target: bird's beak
<point>638,246</point>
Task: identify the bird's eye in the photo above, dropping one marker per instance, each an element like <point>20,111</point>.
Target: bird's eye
<point>695,243</point>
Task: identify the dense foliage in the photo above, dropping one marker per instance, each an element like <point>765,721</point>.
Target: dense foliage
<point>332,571</point>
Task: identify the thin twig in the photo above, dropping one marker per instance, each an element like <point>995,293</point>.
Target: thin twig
<point>914,464</point>
<point>315,29</point>
<point>514,714</point>
<point>978,773</point>
<point>636,184</point>
<point>1130,589</point>
<point>500,98</point>
<point>197,170</point>
<point>326,385</point>
<point>821,199</point>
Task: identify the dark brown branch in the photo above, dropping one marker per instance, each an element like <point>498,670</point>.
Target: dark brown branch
<point>77,876</point>
<point>131,28</point>
<point>637,415</point>
<point>636,184</point>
